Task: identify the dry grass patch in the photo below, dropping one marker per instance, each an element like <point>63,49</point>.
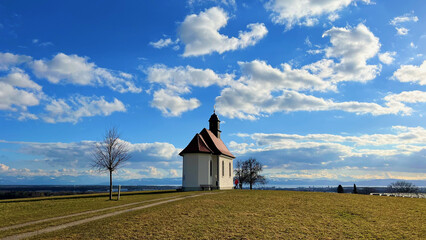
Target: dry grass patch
<point>18,211</point>
<point>264,214</point>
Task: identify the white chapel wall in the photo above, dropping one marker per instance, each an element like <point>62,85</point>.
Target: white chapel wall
<point>213,178</point>
<point>226,180</point>
<point>203,169</point>
<point>190,170</point>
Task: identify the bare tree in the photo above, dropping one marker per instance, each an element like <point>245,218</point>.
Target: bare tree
<point>402,187</point>
<point>240,174</point>
<point>253,168</point>
<point>110,154</point>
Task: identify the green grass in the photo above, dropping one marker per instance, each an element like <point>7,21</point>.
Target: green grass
<point>25,210</point>
<point>265,215</point>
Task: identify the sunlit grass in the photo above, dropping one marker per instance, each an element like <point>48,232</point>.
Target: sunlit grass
<point>18,211</point>
<point>264,214</point>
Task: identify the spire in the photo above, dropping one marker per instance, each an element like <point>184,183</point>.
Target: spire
<point>214,124</point>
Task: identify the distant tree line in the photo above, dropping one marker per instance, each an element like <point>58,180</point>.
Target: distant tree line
<point>395,187</point>
<point>341,190</point>
<point>248,172</point>
<point>25,194</point>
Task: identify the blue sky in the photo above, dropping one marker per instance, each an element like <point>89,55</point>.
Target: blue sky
<point>318,91</point>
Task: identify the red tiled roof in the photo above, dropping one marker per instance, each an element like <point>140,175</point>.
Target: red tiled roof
<point>197,145</point>
<point>215,143</point>
<point>207,142</point>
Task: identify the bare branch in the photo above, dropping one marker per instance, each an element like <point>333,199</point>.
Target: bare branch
<point>110,154</point>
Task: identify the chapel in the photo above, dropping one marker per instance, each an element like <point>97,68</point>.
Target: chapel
<point>207,162</point>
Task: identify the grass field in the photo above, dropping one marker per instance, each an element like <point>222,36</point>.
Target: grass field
<point>255,214</point>
<point>29,209</point>
<point>18,211</point>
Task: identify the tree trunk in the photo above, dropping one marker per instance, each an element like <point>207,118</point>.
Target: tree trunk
<point>251,186</point>
<point>110,185</point>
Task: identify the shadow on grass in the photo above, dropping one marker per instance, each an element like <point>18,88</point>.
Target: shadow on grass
<point>97,195</point>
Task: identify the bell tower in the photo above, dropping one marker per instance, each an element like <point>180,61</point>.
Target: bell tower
<point>214,124</point>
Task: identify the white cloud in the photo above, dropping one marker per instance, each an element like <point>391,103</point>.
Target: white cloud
<point>59,154</point>
<point>402,150</point>
<point>387,57</point>
<point>25,172</point>
<point>411,73</point>
<point>408,17</point>
<point>231,3</point>
<point>262,75</point>
<point>263,90</point>
<point>18,91</point>
<point>156,150</point>
<point>164,43</point>
<point>18,78</point>
<point>77,70</point>
<point>3,168</point>
<point>154,172</point>
<point>315,51</point>
<point>179,80</point>
<point>75,108</point>
<point>26,115</point>
<point>353,46</point>
<point>70,69</point>
<point>173,105</point>
<point>174,173</point>
<point>407,97</point>
<point>308,42</point>
<point>333,17</point>
<point>348,174</point>
<point>8,60</point>
<point>161,43</point>
<point>401,31</point>
<point>80,154</point>
<point>200,33</point>
<point>41,44</point>
<point>151,172</point>
<point>246,102</point>
<point>11,96</point>
<point>305,12</point>
<point>400,136</point>
<point>397,21</point>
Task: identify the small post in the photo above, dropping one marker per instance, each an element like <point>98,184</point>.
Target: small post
<point>119,190</point>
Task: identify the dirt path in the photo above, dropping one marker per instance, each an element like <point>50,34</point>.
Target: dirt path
<point>70,224</point>
<point>78,214</point>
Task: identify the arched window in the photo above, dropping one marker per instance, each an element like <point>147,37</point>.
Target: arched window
<point>223,168</point>
<point>211,168</point>
<point>229,169</point>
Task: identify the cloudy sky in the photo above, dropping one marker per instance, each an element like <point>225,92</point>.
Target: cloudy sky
<point>318,91</point>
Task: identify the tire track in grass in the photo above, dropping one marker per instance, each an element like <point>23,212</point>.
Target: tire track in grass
<point>90,219</point>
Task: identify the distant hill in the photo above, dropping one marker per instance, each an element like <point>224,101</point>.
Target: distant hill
<point>103,180</point>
